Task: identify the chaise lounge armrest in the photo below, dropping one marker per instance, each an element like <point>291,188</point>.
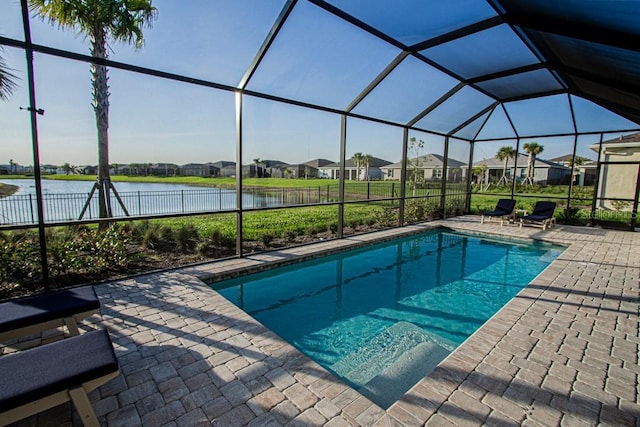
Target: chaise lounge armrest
<point>43,377</point>
<point>34,314</point>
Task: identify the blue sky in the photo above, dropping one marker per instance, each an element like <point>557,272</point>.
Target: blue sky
<point>316,58</point>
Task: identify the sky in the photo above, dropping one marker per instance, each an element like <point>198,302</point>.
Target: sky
<point>316,58</point>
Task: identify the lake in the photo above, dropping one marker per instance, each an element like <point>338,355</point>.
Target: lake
<point>66,200</point>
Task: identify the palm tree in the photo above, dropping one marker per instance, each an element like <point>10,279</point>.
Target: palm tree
<point>358,159</point>
<point>366,160</point>
<point>100,20</point>
<point>533,149</point>
<point>7,80</point>
<point>505,153</point>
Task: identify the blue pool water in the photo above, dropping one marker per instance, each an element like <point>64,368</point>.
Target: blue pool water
<point>382,317</point>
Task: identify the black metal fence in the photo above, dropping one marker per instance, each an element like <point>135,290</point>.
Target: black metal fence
<point>22,209</point>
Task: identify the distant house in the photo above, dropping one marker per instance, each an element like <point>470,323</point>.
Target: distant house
<point>205,170</point>
<point>431,166</point>
<point>225,168</point>
<point>51,169</point>
<point>372,171</point>
<point>163,169</point>
<point>583,174</point>
<point>271,168</point>
<point>88,170</point>
<point>546,172</point>
<point>299,171</point>
<point>14,168</point>
<point>317,166</point>
<point>617,181</point>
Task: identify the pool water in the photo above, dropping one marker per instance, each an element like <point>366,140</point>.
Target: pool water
<point>382,317</point>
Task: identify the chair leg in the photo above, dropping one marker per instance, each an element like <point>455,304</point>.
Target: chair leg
<point>83,406</point>
<point>72,326</point>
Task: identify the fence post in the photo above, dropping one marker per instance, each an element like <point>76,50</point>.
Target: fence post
<point>31,208</point>
<point>393,192</point>
<point>182,199</point>
<point>368,190</point>
<point>139,204</point>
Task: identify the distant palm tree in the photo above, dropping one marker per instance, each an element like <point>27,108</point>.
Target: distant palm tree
<point>7,80</point>
<point>366,160</point>
<point>504,154</point>
<point>533,149</point>
<point>100,20</point>
<point>258,163</point>
<point>358,159</point>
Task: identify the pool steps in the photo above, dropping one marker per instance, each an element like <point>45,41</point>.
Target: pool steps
<point>387,366</point>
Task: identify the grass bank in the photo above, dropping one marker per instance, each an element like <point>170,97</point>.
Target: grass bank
<point>7,190</point>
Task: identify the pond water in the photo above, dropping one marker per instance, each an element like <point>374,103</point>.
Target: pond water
<point>49,186</point>
<point>69,200</point>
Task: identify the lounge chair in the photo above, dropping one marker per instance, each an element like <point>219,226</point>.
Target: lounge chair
<point>504,211</point>
<point>542,215</point>
<point>34,314</point>
<point>40,378</point>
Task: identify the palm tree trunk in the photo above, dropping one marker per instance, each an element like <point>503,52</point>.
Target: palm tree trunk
<point>504,172</point>
<point>99,81</point>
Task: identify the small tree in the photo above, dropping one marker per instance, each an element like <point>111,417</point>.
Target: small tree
<point>575,166</point>
<point>480,172</point>
<point>415,162</point>
<point>504,154</point>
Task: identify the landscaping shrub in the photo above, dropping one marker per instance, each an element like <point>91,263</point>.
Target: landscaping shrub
<point>20,269</point>
<point>186,237</point>
<point>417,210</point>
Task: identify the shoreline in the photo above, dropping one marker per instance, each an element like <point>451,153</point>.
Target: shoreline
<point>7,190</point>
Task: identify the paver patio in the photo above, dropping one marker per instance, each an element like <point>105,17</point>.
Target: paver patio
<point>564,351</point>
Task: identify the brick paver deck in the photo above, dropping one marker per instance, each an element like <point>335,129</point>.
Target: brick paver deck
<point>564,351</point>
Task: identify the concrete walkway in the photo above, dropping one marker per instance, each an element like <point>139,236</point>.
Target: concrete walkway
<point>564,351</point>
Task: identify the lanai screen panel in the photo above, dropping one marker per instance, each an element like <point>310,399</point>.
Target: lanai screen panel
<point>320,59</point>
<point>410,88</point>
<point>490,51</point>
<point>414,21</point>
<point>452,113</point>
<point>591,117</point>
<point>470,132</point>
<point>541,116</point>
<point>522,84</point>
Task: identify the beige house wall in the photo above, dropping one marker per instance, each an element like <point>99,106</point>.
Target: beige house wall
<point>619,181</point>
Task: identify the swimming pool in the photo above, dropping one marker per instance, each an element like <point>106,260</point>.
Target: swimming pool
<point>382,317</point>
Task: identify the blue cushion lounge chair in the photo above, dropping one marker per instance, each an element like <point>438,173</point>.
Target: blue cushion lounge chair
<point>34,314</point>
<point>504,210</point>
<point>542,215</point>
<point>43,377</point>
